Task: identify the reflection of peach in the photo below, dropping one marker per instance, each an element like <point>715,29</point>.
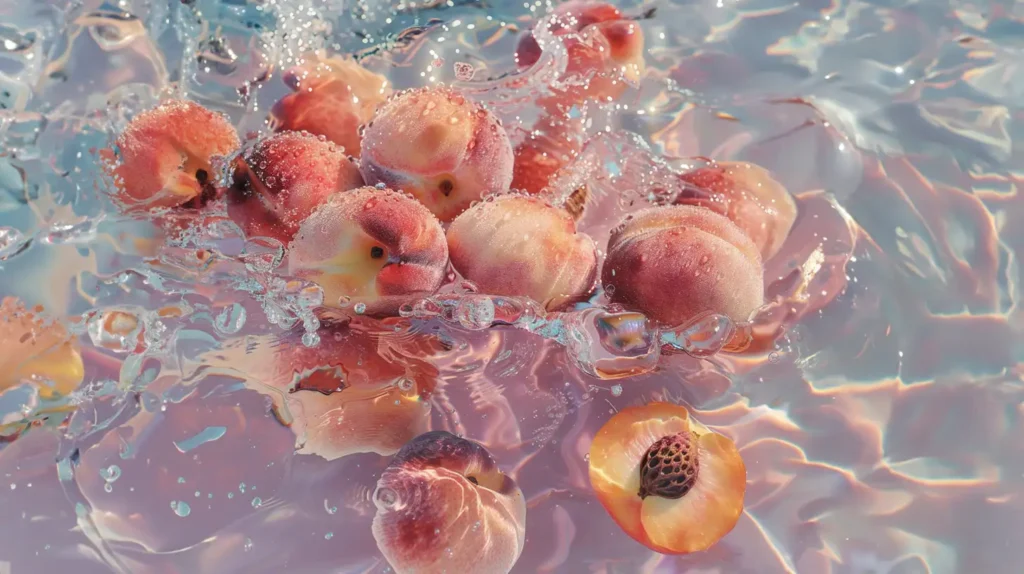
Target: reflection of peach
<point>165,154</point>
<point>332,98</point>
<point>749,196</point>
<point>36,351</point>
<point>675,262</point>
<point>372,247</point>
<point>515,245</point>
<point>444,506</point>
<point>442,148</point>
<point>668,481</point>
<point>285,179</point>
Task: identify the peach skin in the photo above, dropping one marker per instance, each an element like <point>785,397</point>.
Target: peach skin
<point>164,157</point>
<point>284,179</point>
<point>749,196</point>
<point>443,505</point>
<point>438,146</point>
<point>675,262</point>
<point>37,351</point>
<point>370,247</point>
<point>553,143</point>
<point>333,97</point>
<point>669,482</point>
<point>523,246</point>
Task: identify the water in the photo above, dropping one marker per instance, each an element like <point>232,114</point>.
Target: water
<point>881,431</point>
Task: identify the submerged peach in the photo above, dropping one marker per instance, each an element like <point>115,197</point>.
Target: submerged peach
<point>36,351</point>
<point>373,248</point>
<point>284,179</point>
<point>748,195</point>
<point>669,482</point>
<point>438,146</point>
<point>443,505</point>
<point>332,97</point>
<point>165,156</point>
<point>675,262</point>
<point>523,246</point>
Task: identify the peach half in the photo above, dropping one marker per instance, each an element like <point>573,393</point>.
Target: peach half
<point>667,481</point>
<point>523,246</point>
<point>164,157</point>
<point>443,505</point>
<point>673,263</point>
<point>36,351</point>
<point>284,179</point>
<point>438,146</point>
<point>333,97</point>
<point>373,248</point>
<point>748,195</point>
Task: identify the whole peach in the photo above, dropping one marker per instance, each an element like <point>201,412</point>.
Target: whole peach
<point>523,246</point>
<point>164,158</point>
<point>284,179</point>
<point>333,97</point>
<point>438,146</point>
<point>373,248</point>
<point>675,262</point>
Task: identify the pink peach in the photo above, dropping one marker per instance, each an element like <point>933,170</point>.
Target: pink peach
<point>373,248</point>
<point>443,505</point>
<point>438,146</point>
<point>523,246</point>
<point>333,97</point>
<point>164,158</point>
<point>673,263</point>
<point>284,179</point>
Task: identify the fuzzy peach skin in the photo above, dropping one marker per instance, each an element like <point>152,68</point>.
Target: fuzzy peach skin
<point>333,97</point>
<point>164,156</point>
<point>523,246</point>
<point>675,262</point>
<point>443,505</point>
<point>675,496</point>
<point>373,247</point>
<point>748,195</point>
<point>284,179</point>
<point>37,351</point>
<point>438,146</point>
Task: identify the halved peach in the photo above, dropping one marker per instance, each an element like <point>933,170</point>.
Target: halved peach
<point>37,351</point>
<point>443,505</point>
<point>667,480</point>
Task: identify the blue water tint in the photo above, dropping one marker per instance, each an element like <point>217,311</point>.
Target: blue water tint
<point>208,434</point>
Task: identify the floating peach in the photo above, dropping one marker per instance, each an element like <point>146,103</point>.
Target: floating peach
<point>675,262</point>
<point>444,506</point>
<point>36,351</point>
<point>669,482</point>
<point>332,97</point>
<point>284,179</point>
<point>523,246</point>
<point>165,156</point>
<point>551,145</point>
<point>373,248</point>
<point>438,146</point>
<point>749,196</point>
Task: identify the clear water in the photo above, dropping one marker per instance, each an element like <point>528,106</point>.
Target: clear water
<point>882,434</point>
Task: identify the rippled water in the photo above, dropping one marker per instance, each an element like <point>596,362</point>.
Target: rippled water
<point>883,433</point>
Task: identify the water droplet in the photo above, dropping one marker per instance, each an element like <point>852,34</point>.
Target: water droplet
<point>257,502</point>
<point>328,536</point>
<point>181,480</point>
<point>616,390</point>
<point>111,473</point>
<point>360,308</point>
<point>181,508</point>
<point>247,545</point>
<point>330,509</point>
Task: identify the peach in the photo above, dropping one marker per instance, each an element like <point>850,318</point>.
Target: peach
<point>551,145</point>
<point>37,351</point>
<point>284,179</point>
<point>443,505</point>
<point>164,157</point>
<point>523,246</point>
<point>370,247</point>
<point>332,97</point>
<point>673,263</point>
<point>748,195</point>
<point>667,481</point>
<point>438,146</point>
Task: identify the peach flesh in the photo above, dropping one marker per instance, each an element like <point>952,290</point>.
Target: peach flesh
<point>284,179</point>
<point>165,155</point>
<point>673,263</point>
<point>370,247</point>
<point>690,513</point>
<point>523,246</point>
<point>38,351</point>
<point>444,506</point>
<point>438,146</point>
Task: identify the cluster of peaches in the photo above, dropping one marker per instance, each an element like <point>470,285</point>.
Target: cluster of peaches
<point>377,196</point>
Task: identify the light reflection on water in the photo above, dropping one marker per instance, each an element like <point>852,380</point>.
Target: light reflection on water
<point>883,433</point>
